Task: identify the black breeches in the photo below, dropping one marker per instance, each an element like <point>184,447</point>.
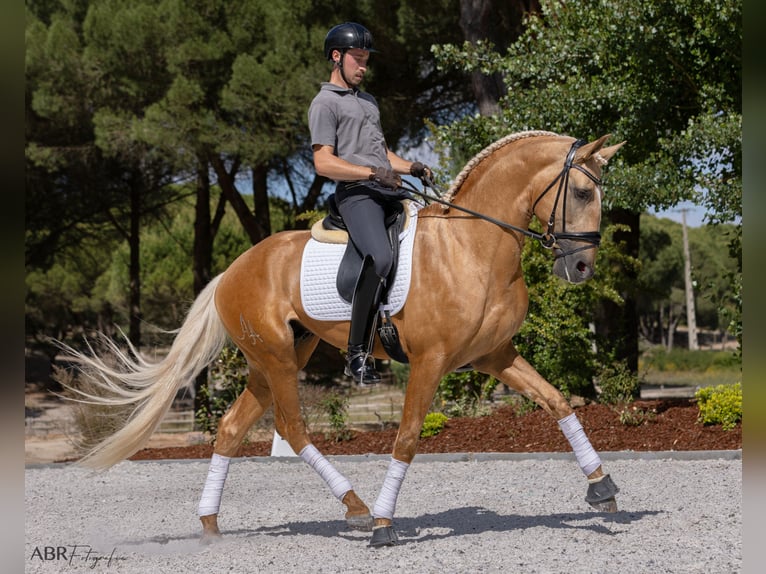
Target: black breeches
<point>364,217</point>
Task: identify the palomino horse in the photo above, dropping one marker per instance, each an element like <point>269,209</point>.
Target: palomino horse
<point>467,299</point>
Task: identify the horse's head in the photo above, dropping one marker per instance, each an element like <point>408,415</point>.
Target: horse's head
<point>570,208</point>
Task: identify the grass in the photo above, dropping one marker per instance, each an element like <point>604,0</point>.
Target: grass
<point>681,367</point>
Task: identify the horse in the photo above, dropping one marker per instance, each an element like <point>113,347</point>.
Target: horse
<point>466,301</point>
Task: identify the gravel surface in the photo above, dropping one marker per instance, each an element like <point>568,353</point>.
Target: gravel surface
<point>679,513</point>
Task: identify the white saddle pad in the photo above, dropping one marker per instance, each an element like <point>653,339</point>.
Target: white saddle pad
<point>319,270</point>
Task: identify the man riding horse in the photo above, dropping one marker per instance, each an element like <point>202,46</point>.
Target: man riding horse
<point>349,148</point>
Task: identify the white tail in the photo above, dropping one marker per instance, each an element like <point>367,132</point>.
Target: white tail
<point>151,387</point>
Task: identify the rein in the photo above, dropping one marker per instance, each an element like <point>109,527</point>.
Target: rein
<point>548,240</point>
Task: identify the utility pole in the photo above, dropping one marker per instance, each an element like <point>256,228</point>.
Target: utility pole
<point>691,316</point>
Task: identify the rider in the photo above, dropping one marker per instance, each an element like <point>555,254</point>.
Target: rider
<point>349,148</point>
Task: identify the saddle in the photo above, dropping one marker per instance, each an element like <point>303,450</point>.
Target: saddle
<point>332,229</point>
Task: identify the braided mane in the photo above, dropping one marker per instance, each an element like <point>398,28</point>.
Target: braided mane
<point>486,152</point>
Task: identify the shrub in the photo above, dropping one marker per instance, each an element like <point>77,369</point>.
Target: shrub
<point>635,416</point>
<point>618,384</point>
<point>462,394</point>
<point>336,406</point>
<point>678,359</point>
<point>400,372</point>
<point>433,424</point>
<point>521,405</point>
<point>227,377</point>
<point>721,404</point>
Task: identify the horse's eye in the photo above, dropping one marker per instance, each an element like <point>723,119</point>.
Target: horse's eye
<point>583,194</point>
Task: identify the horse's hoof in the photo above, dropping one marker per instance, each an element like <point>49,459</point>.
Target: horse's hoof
<point>601,494</point>
<point>360,522</point>
<point>605,506</point>
<point>383,536</point>
<point>209,538</point>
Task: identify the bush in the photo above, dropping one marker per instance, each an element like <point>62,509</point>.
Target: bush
<point>462,394</point>
<point>336,406</point>
<point>618,384</point>
<point>433,424</point>
<point>721,404</point>
<point>401,373</point>
<point>659,359</point>
<point>227,377</point>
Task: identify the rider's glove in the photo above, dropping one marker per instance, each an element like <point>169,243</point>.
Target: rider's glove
<point>385,177</point>
<point>420,170</point>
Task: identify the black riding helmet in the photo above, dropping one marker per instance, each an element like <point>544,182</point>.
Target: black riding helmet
<point>345,36</point>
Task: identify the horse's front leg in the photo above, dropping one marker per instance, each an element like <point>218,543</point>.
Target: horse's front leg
<point>523,378</point>
<point>418,398</point>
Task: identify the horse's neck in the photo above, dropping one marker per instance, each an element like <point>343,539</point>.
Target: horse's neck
<point>469,243</point>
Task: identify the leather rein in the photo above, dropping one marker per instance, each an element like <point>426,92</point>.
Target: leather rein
<point>549,239</point>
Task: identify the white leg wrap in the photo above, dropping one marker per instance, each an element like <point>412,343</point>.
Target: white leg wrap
<point>339,484</point>
<point>210,501</point>
<point>587,458</point>
<point>386,502</point>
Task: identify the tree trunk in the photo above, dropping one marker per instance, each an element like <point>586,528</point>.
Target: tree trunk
<point>261,201</point>
<point>476,23</point>
<point>500,23</point>
<point>202,259</point>
<point>134,270</point>
<point>310,201</point>
<point>229,191</point>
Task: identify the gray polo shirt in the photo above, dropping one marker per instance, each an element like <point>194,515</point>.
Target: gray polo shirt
<point>349,121</point>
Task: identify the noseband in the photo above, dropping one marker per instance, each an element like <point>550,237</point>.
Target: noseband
<point>549,240</point>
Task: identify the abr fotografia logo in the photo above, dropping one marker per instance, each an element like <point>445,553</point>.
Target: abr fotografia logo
<point>75,554</point>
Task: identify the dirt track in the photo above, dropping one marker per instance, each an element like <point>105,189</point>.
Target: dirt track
<point>497,514</point>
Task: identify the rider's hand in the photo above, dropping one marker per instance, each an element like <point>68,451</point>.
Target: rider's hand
<point>385,177</point>
<point>421,170</point>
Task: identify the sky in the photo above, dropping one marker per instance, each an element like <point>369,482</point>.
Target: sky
<point>694,214</point>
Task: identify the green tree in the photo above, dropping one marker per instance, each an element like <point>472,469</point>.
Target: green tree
<point>85,81</point>
<point>665,76</point>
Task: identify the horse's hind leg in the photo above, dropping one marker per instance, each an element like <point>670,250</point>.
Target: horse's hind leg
<point>358,514</point>
<point>283,380</point>
<point>232,428</point>
<point>522,377</point>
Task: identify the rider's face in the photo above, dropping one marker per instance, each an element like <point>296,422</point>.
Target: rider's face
<point>355,65</point>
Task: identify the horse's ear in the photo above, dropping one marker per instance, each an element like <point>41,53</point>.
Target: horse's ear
<point>608,152</point>
<point>585,152</point>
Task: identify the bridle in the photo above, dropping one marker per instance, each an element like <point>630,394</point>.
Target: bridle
<point>549,239</point>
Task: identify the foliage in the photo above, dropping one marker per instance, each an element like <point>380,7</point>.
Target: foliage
<point>521,404</point>
<point>336,407</point>
<point>401,373</point>
<point>659,359</point>
<point>433,424</point>
<point>721,404</point>
<point>617,384</point>
<point>635,416</point>
<point>556,337</point>
<point>463,394</point>
<point>661,299</point>
<point>665,76</point>
<point>227,378</point>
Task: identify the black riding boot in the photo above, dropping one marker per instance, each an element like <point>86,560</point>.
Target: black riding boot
<point>364,306</point>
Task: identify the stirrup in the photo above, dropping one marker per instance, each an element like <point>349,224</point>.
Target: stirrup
<point>360,370</point>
